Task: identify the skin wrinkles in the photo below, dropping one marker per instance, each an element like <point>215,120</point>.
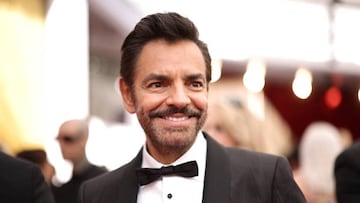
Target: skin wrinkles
<point>169,96</point>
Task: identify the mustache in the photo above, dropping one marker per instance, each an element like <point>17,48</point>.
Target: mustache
<point>173,110</point>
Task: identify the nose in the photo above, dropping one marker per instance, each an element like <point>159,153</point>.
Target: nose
<point>178,96</point>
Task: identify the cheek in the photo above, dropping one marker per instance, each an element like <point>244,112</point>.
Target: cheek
<point>146,102</point>
<point>149,102</point>
<point>200,101</point>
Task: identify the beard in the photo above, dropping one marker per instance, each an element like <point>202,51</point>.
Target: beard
<point>169,139</point>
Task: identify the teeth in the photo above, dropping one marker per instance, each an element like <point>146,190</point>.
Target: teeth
<point>176,118</point>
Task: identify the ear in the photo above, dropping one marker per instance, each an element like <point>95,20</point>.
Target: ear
<point>127,96</point>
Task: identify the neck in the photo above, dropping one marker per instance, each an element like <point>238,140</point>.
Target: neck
<point>80,165</point>
<point>166,155</point>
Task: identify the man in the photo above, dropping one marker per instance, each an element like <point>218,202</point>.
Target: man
<point>22,181</point>
<point>165,73</point>
<point>72,137</point>
<point>347,175</point>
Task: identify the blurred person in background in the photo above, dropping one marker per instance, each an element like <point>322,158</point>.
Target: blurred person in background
<point>228,122</point>
<point>346,137</point>
<point>39,157</point>
<point>21,181</point>
<point>231,123</point>
<point>72,137</point>
<point>347,174</point>
<point>319,145</point>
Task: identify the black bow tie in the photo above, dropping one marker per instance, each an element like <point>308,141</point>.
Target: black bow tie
<point>148,175</point>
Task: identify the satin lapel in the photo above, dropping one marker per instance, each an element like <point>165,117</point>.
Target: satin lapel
<point>128,188</point>
<point>217,185</point>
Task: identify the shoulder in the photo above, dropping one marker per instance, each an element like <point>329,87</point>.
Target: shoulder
<point>243,162</point>
<point>107,177</point>
<point>110,176</point>
<point>96,170</point>
<point>116,177</point>
<point>267,176</point>
<point>24,181</point>
<point>347,163</point>
<point>110,186</point>
<point>12,161</point>
<point>251,160</point>
<point>243,158</point>
<point>347,174</point>
<point>17,166</point>
<point>349,156</point>
<point>354,149</point>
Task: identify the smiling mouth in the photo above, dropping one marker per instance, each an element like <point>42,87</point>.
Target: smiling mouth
<point>175,118</point>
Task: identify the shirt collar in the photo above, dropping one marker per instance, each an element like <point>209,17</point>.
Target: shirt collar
<point>196,152</point>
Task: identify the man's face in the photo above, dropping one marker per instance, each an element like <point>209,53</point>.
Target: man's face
<point>169,95</point>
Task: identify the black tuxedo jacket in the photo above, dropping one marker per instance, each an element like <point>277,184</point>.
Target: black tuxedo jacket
<point>232,175</point>
<point>22,182</point>
<point>347,175</point>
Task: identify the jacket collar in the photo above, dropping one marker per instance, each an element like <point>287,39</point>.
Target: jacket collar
<point>216,181</point>
<point>128,188</point>
<point>217,175</point>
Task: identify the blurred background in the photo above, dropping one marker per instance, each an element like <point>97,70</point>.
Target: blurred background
<point>290,62</point>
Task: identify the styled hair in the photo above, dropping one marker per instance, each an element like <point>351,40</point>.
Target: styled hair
<point>37,156</point>
<point>171,27</point>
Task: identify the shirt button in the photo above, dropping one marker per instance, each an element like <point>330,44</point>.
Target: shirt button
<point>169,196</point>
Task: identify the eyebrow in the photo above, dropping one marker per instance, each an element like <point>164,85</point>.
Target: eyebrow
<point>154,76</point>
<point>196,76</point>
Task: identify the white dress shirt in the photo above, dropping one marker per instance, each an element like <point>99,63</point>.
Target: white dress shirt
<point>175,189</point>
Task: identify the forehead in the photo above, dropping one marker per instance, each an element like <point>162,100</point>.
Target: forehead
<point>68,128</point>
<point>163,56</point>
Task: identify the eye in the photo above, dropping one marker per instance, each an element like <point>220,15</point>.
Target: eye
<point>155,85</point>
<point>197,84</point>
